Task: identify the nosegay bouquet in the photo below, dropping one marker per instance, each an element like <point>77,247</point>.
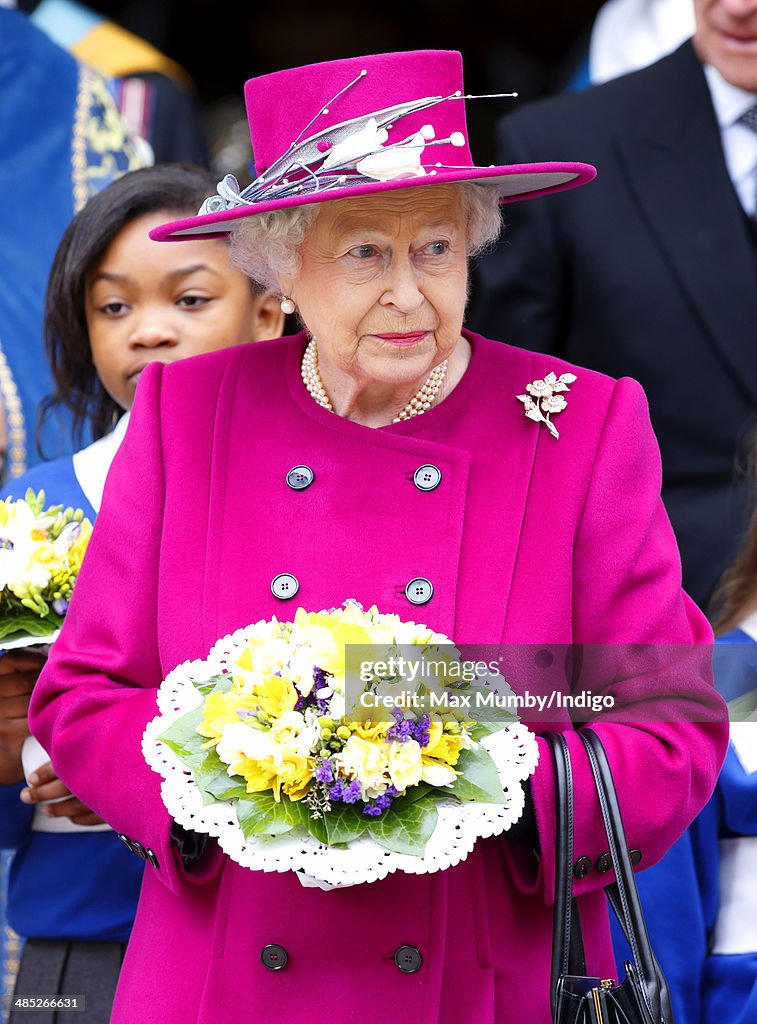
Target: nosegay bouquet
<point>41,551</point>
<point>266,758</point>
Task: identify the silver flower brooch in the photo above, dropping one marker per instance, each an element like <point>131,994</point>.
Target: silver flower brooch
<point>544,399</point>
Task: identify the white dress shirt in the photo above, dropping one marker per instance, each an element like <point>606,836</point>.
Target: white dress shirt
<point>739,142</point>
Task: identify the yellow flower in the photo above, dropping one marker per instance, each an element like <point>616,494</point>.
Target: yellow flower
<point>405,764</point>
<point>263,763</point>
<point>221,710</point>
<point>78,548</point>
<point>374,731</point>
<point>442,751</point>
<point>443,746</point>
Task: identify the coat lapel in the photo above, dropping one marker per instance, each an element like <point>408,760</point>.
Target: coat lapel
<point>676,171</point>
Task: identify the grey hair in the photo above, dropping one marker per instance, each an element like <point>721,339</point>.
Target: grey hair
<point>268,245</point>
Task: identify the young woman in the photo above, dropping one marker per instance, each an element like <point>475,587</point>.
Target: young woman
<point>116,302</point>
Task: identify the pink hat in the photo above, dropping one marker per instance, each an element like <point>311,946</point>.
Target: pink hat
<point>357,127</point>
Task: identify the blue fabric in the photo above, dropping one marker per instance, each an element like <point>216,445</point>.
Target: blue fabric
<point>64,885</point>
<point>680,895</point>
<point>58,480</point>
<point>45,95</point>
<point>38,83</point>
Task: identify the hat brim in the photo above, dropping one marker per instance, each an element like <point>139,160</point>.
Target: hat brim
<point>514,181</point>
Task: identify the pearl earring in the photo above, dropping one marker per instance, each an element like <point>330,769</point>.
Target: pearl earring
<point>287,306</point>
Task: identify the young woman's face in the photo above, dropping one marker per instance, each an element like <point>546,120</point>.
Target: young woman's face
<point>149,302</point>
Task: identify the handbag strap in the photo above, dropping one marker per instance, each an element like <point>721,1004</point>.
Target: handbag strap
<point>567,942</point>
<point>623,894</point>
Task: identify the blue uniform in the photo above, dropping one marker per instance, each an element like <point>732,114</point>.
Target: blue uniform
<point>82,885</point>
<point>698,901</point>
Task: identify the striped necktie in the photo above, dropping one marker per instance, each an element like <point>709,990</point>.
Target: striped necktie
<point>749,118</point>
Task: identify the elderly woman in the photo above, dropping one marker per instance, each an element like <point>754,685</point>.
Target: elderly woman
<point>381,454</point>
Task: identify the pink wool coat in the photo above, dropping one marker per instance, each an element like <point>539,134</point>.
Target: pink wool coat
<point>527,539</point>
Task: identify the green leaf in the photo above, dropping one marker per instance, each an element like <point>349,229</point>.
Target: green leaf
<point>182,737</point>
<point>480,778</point>
<point>341,825</point>
<point>405,829</point>
<point>480,729</point>
<point>25,623</point>
<point>215,684</point>
<point>259,814</point>
<point>209,771</point>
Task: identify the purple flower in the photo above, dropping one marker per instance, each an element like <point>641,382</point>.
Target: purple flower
<point>381,803</point>
<point>420,730</point>
<point>401,730</point>
<point>325,771</point>
<point>351,793</point>
<point>335,793</point>
<point>60,606</point>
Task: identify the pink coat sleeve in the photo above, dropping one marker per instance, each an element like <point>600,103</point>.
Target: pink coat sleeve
<point>668,746</point>
<point>111,629</point>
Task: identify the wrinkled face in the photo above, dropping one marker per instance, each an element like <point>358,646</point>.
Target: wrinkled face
<point>382,284</point>
<point>150,302</point>
<point>726,37</point>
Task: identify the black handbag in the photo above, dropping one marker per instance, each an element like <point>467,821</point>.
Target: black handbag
<point>643,996</point>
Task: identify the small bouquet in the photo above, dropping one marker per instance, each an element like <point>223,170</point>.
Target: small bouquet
<point>256,748</point>
<point>41,551</point>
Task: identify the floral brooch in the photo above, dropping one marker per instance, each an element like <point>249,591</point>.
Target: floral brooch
<point>544,399</point>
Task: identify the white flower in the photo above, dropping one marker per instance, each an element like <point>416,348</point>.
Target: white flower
<point>239,741</point>
<point>405,765</point>
<point>367,140</point>
<point>438,774</point>
<point>540,388</point>
<point>555,403</point>
<point>395,162</point>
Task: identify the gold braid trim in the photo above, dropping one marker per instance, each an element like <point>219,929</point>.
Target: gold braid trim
<point>16,456</point>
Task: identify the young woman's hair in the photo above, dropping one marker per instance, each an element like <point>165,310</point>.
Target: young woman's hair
<point>736,594</point>
<point>176,189</point>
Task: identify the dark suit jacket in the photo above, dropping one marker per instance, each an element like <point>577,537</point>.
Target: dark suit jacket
<point>647,272</point>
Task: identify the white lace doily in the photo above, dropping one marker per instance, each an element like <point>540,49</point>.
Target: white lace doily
<point>513,749</point>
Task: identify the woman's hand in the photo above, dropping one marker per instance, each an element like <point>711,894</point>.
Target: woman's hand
<point>45,785</point>
<point>18,674</point>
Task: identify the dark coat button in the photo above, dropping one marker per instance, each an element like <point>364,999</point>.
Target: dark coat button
<point>152,858</point>
<point>582,867</point>
<point>604,863</point>
<point>419,591</point>
<point>408,959</point>
<point>300,477</point>
<point>427,478</point>
<point>635,856</point>
<point>274,957</point>
<point>138,849</point>
<point>125,840</point>
<point>284,586</point>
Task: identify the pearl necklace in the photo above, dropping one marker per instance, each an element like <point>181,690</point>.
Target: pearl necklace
<point>422,400</point>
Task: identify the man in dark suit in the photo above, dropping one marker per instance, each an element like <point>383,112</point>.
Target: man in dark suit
<point>651,271</point>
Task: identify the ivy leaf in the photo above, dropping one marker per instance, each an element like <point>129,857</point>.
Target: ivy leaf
<point>406,829</point>
<point>341,825</point>
<point>480,778</point>
<point>260,814</point>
